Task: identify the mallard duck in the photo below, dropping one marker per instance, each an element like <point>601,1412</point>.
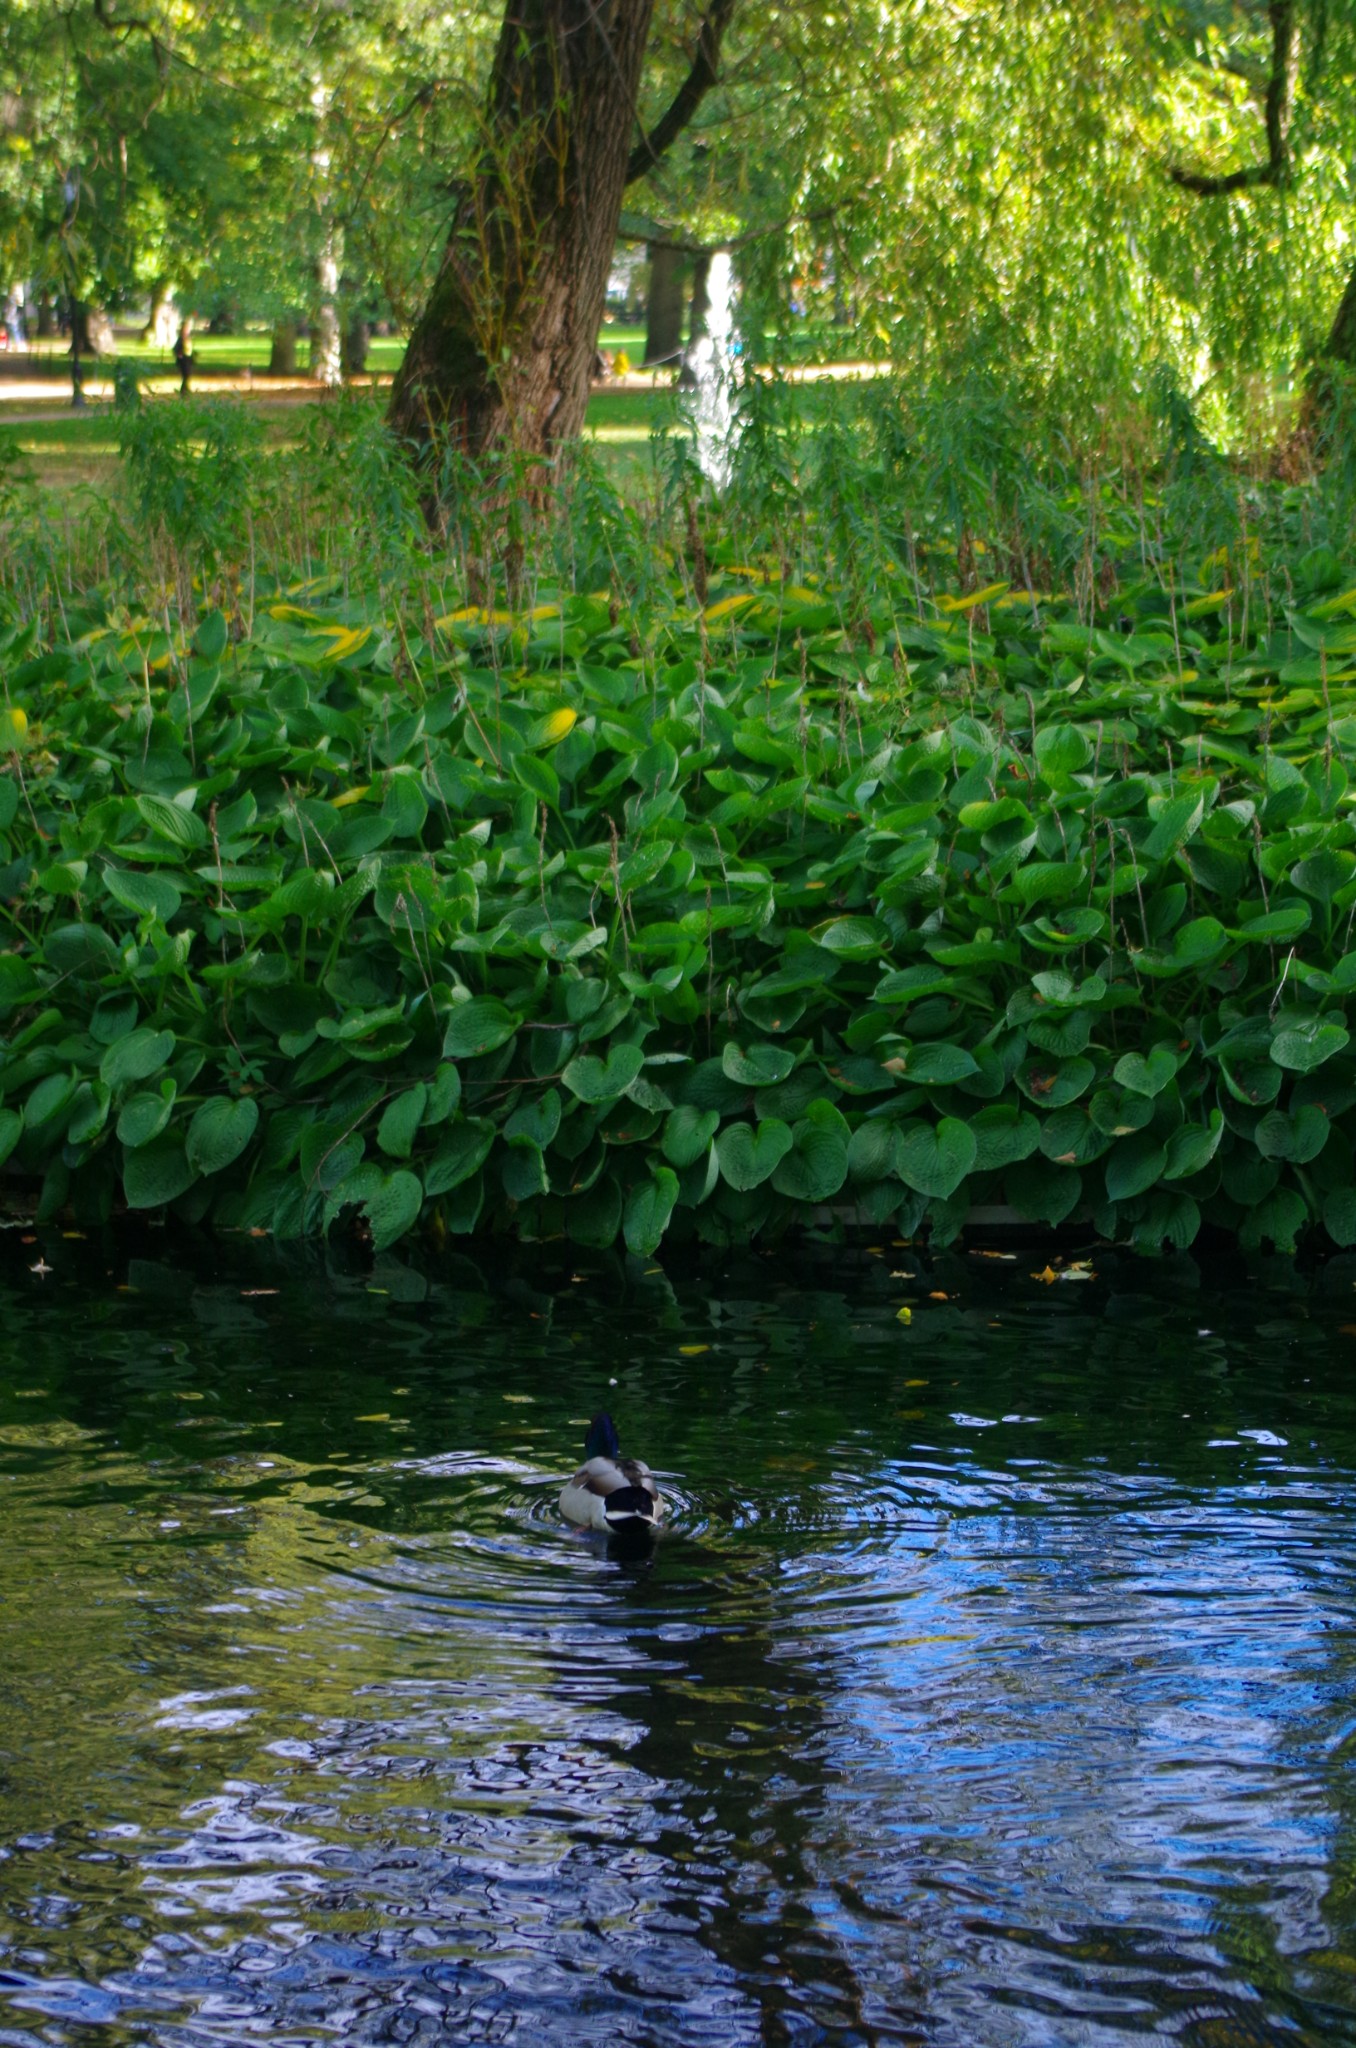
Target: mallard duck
<point>609,1491</point>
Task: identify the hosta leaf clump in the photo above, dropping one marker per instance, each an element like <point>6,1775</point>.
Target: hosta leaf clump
<point>621,924</point>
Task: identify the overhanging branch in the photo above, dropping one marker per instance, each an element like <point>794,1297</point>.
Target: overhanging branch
<point>1280,108</point>
<point>690,94</point>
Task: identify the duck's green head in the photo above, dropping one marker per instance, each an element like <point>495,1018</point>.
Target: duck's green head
<point>601,1441</point>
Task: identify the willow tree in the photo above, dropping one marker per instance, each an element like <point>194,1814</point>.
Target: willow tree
<point>503,350</point>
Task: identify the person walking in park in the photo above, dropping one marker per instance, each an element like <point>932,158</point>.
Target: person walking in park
<point>183,355</point>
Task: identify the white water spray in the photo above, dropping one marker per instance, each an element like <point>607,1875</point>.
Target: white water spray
<point>713,362</point>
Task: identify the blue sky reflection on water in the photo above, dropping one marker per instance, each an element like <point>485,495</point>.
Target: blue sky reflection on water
<point>994,1684</point>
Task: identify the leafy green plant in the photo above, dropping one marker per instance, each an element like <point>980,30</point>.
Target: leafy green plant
<point>739,930</point>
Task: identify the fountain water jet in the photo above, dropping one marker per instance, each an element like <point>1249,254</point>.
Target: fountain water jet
<point>712,361</point>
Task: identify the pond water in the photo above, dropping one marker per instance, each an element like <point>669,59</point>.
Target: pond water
<point>993,1683</point>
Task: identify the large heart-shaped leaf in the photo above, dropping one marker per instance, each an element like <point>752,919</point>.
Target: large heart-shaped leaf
<point>461,1154</point>
<point>1191,1148</point>
<point>136,1057</point>
<point>144,1116</point>
<point>479,1026</point>
<point>1004,1135</point>
<point>1146,1074</point>
<point>595,1080</point>
<point>148,895</point>
<point>649,1205</point>
<point>816,1166</point>
<point>1135,1164</point>
<point>393,1207</point>
<point>938,1064</point>
<point>220,1131</point>
<point>750,1156</point>
<point>757,1066</point>
<point>1302,1047</point>
<point>156,1174</point>
<point>400,1121</point>
<point>936,1161</point>
<point>535,1121</point>
<point>1054,1083</point>
<point>688,1132</point>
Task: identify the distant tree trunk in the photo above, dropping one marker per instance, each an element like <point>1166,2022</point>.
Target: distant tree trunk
<point>326,347</point>
<point>357,341</point>
<point>162,321</point>
<point>664,310</point>
<point>47,325</point>
<point>503,350</point>
<point>282,355</point>
<point>700,310</point>
<point>326,339</point>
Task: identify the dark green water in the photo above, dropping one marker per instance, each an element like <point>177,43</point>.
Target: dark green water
<point>995,1683</point>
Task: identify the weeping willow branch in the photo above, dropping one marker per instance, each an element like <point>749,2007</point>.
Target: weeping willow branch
<point>690,94</point>
<point>1280,108</point>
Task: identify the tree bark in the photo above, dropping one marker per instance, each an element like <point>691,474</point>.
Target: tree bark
<point>357,341</point>
<point>326,345</point>
<point>699,312</point>
<point>163,320</point>
<point>282,354</point>
<point>1341,346</point>
<point>326,338</point>
<point>664,308</point>
<point>502,352</point>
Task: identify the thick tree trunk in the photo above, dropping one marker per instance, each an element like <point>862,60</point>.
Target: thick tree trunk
<point>162,323</point>
<point>357,341</point>
<point>664,309</point>
<point>502,353</point>
<point>326,336</point>
<point>282,354</point>
<point>700,309</point>
<point>1341,346</point>
<point>326,347</point>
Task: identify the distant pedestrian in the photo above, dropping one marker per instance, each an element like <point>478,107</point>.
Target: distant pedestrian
<point>183,355</point>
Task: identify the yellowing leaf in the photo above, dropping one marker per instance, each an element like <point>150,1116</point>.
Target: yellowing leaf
<point>294,611</point>
<point>16,718</point>
<point>976,598</point>
<point>346,640</point>
<point>557,724</point>
<point>474,615</point>
<point>692,1350</point>
<point>723,609</point>
<point>544,611</point>
<point>905,1315</point>
<point>350,796</point>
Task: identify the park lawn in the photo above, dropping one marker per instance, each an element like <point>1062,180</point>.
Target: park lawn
<point>251,349</point>
<point>66,450</point>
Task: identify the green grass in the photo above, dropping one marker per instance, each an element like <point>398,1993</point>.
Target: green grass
<point>251,347</point>
<point>67,449</point>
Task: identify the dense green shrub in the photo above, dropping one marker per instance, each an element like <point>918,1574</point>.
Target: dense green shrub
<point>567,922</point>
